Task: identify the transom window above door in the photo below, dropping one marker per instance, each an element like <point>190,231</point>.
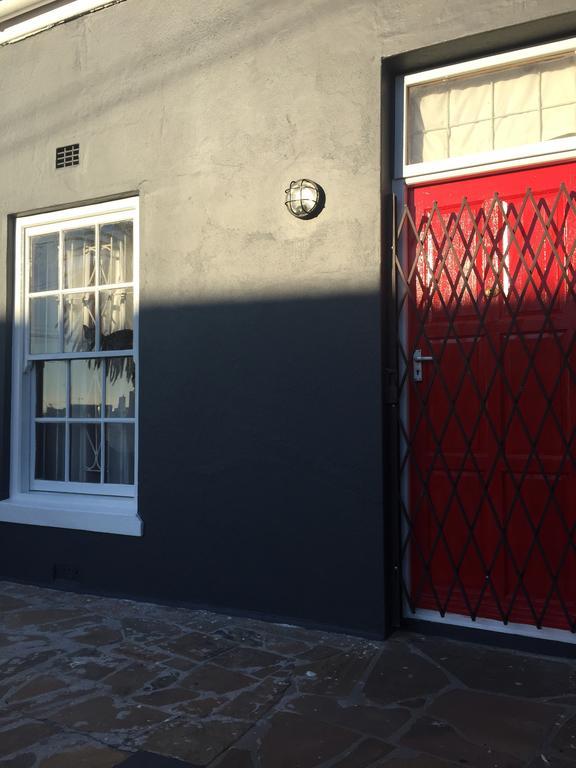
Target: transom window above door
<point>498,109</point>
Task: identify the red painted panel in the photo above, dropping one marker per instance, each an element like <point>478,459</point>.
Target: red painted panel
<point>490,270</point>
<point>541,567</point>
<point>536,397</point>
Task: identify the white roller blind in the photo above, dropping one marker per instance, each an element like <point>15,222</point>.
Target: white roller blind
<point>492,110</point>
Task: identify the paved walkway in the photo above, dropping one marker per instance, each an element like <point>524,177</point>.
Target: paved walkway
<point>86,682</point>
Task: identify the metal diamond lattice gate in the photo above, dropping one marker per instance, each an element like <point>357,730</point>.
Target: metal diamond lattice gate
<point>484,275</point>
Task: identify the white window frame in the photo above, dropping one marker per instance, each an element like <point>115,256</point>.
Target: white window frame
<point>103,508</point>
<point>21,18</point>
<point>546,151</point>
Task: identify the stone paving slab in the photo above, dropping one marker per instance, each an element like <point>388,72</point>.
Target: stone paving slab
<point>90,682</point>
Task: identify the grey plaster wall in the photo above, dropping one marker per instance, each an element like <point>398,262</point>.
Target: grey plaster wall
<point>261,462</point>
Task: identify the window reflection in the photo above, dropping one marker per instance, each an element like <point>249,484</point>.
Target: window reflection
<point>79,258</point>
<point>119,454</point>
<point>120,387</point>
<point>44,325</point>
<point>79,322</point>
<point>85,453</point>
<point>85,389</point>
<point>116,319</point>
<point>116,253</point>
<point>50,451</point>
<point>44,266</point>
<point>51,388</point>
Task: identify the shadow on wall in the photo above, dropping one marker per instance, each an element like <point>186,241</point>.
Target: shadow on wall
<point>260,466</point>
<point>188,52</point>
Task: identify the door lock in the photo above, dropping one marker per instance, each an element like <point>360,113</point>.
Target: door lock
<point>417,359</point>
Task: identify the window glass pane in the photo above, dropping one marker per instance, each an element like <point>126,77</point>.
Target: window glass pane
<point>44,330</point>
<point>85,453</point>
<point>77,300</point>
<point>120,387</point>
<point>119,454</point>
<point>116,253</point>
<point>86,388</point>
<point>51,389</point>
<point>44,262</point>
<point>116,319</point>
<point>79,257</point>
<point>50,451</point>
<point>79,322</point>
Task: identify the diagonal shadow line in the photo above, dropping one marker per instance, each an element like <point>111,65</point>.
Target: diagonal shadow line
<point>204,44</point>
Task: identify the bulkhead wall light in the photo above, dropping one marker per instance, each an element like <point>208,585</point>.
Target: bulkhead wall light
<point>305,199</point>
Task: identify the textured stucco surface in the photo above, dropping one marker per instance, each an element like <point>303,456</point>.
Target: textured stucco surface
<point>209,109</point>
<point>260,381</point>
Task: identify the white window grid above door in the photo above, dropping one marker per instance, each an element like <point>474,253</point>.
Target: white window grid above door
<point>481,151</point>
<point>103,304</point>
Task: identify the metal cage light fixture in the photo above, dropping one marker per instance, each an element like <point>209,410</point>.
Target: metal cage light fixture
<point>305,199</point>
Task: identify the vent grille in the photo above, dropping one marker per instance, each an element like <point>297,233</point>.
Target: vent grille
<point>69,155</point>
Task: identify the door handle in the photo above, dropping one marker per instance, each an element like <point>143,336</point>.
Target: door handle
<point>417,359</point>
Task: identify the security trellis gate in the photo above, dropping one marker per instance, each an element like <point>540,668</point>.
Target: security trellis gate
<point>483,279</point>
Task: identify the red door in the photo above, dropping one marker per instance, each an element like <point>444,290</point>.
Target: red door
<point>490,481</point>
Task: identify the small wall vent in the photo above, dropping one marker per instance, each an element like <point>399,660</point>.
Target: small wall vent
<point>69,155</point>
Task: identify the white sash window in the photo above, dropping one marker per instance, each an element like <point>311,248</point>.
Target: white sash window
<point>75,368</point>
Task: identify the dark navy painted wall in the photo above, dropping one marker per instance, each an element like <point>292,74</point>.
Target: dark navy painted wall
<point>260,467</point>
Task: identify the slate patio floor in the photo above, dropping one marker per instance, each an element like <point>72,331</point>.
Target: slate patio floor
<point>89,682</point>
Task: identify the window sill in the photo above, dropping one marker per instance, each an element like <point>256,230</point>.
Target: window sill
<point>74,512</point>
